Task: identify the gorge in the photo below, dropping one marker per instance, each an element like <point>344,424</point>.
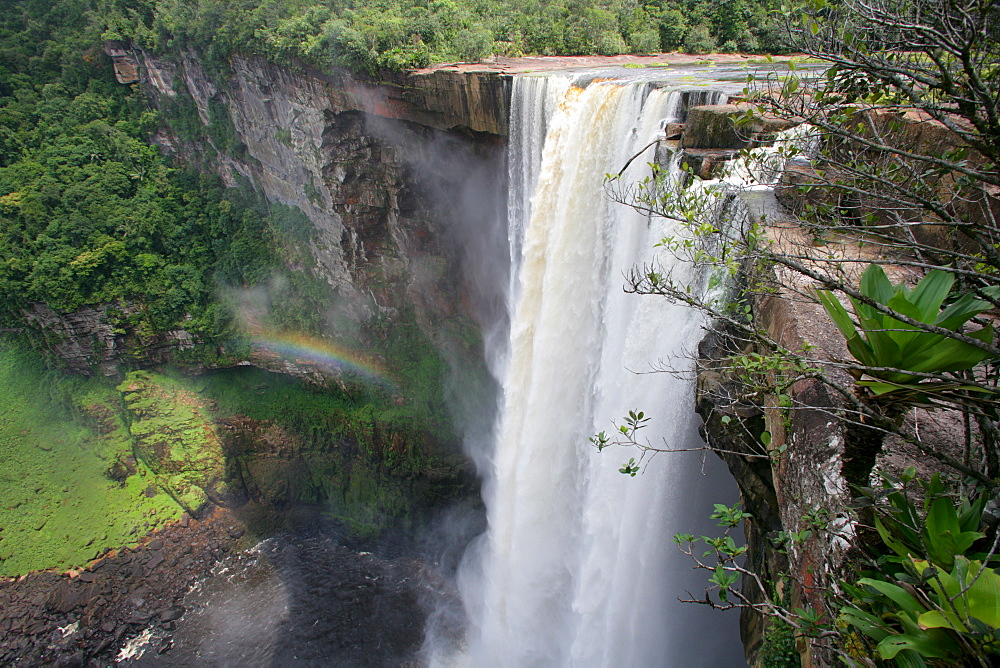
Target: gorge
<point>312,354</point>
<point>419,215</point>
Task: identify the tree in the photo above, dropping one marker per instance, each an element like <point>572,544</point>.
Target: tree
<point>673,29</point>
<point>892,168</point>
<point>894,163</point>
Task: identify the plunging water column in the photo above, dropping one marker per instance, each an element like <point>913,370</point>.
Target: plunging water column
<point>577,567</point>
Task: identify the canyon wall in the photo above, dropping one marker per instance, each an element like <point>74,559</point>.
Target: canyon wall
<point>396,178</point>
<point>403,184</point>
<point>393,176</point>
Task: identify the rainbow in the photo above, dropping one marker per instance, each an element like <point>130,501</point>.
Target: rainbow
<point>302,347</point>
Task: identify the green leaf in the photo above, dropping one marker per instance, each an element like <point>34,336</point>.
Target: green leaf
<point>948,355</point>
<point>880,387</point>
<point>946,586</point>
<point>874,284</point>
<point>991,291</point>
<point>971,513</point>
<point>837,313</point>
<point>895,593</point>
<point>889,540</point>
<point>942,527</point>
<point>872,626</point>
<point>862,351</point>
<point>959,312</point>
<point>983,596</point>
<point>936,619</point>
<point>901,304</point>
<point>930,293</point>
<point>924,646</point>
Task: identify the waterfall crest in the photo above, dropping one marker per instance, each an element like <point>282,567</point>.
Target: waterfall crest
<point>577,567</point>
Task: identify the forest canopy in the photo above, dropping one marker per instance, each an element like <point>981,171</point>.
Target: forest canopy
<point>90,212</point>
<point>401,34</point>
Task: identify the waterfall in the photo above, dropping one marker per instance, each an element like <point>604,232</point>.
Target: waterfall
<point>577,567</point>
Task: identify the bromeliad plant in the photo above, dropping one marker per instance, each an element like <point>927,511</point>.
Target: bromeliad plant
<point>890,348</point>
<point>935,600</point>
<point>939,617</point>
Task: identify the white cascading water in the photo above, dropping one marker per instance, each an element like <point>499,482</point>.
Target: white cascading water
<point>577,567</point>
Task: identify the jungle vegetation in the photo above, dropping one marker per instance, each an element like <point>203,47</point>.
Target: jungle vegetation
<point>891,180</point>
<point>391,35</point>
<point>90,213</point>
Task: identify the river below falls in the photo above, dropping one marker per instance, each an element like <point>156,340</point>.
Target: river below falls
<point>305,600</point>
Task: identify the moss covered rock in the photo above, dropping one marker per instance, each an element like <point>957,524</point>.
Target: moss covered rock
<point>69,487</point>
<point>174,436</point>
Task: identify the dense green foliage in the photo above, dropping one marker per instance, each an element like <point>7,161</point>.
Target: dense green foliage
<point>65,446</point>
<point>89,211</point>
<point>935,597</point>
<point>888,343</point>
<point>400,34</point>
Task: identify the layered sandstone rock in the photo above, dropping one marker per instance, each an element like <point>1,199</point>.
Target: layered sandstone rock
<point>714,126</point>
<point>89,340</point>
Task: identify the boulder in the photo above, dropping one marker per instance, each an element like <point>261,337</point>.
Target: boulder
<point>706,163</point>
<point>714,126</point>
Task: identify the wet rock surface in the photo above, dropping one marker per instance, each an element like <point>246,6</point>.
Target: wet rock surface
<point>306,600</point>
<point>85,618</point>
<point>714,126</point>
<point>194,593</point>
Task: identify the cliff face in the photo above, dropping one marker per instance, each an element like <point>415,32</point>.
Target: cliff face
<point>794,484</point>
<point>355,158</point>
<point>401,248</point>
<point>88,341</point>
<point>791,483</point>
<point>398,180</point>
<point>377,169</point>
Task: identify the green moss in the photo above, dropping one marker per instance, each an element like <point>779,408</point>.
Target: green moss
<point>368,502</point>
<point>778,650</point>
<point>284,135</point>
<point>59,439</point>
<point>174,436</point>
<point>355,452</point>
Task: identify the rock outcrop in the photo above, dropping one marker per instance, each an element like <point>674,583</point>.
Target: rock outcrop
<point>707,163</point>
<point>125,63</point>
<point>174,436</point>
<point>88,341</point>
<point>799,482</point>
<point>714,126</point>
